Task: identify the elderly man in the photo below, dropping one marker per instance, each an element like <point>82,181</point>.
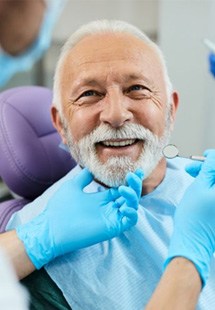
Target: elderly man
<point>114,107</point>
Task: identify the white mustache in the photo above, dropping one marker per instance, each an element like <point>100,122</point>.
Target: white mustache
<point>128,131</point>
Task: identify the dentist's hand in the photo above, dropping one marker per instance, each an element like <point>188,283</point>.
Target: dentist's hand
<point>194,231</point>
<point>74,219</point>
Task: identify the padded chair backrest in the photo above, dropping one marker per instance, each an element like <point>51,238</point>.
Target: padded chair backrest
<point>7,208</point>
<point>30,157</point>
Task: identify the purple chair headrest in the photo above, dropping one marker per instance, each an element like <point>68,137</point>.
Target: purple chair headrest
<point>7,208</point>
<point>30,157</point>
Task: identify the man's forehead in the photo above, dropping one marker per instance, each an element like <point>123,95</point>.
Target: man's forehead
<point>121,57</point>
<point>115,46</point>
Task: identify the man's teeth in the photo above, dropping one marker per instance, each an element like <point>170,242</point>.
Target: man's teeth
<point>119,143</point>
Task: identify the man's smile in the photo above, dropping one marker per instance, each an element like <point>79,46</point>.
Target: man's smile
<point>119,147</point>
<point>118,142</point>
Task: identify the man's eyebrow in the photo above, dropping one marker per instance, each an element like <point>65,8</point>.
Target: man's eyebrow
<point>85,81</point>
<point>140,76</point>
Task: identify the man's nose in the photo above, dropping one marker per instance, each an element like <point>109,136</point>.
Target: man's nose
<point>115,110</point>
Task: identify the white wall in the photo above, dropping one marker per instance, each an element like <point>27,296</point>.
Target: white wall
<point>182,27</point>
<point>142,13</point>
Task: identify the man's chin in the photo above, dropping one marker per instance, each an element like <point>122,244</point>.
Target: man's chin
<point>112,181</point>
<point>112,173</point>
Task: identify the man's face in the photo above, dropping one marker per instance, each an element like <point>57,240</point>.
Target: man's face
<point>114,105</point>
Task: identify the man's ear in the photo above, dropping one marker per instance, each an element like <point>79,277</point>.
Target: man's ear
<point>174,107</point>
<point>57,122</point>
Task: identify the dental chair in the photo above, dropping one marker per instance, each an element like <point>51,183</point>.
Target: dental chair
<point>30,157</point>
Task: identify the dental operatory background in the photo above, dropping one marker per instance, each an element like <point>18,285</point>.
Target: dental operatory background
<point>179,27</point>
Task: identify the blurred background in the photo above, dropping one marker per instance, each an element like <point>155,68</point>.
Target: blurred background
<point>179,27</point>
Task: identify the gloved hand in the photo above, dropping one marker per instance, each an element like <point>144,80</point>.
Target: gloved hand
<point>212,63</point>
<point>195,166</point>
<point>74,219</point>
<point>194,230</point>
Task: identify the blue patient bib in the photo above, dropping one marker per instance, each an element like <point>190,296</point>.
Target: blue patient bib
<point>122,273</point>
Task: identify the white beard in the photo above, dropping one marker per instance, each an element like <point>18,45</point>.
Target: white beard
<point>113,172</point>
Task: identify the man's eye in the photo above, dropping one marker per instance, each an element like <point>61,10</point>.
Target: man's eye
<point>138,92</point>
<point>89,93</point>
<point>138,87</point>
<point>88,97</point>
<point>135,87</point>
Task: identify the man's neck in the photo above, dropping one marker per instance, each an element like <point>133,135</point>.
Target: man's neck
<point>155,178</point>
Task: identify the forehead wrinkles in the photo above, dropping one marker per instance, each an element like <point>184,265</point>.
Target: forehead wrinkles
<point>109,47</point>
<point>111,58</point>
<point>105,72</point>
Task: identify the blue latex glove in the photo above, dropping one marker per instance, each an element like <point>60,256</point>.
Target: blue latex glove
<point>74,219</point>
<point>194,167</point>
<point>212,63</point>
<point>194,231</point>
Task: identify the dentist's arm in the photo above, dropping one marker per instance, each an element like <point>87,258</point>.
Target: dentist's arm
<point>192,244</point>
<point>16,253</point>
<point>179,287</point>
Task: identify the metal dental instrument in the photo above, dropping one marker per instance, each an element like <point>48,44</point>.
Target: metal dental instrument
<point>171,151</point>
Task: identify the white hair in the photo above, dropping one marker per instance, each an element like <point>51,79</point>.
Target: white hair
<point>101,27</point>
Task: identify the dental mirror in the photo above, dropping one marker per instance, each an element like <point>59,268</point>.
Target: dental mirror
<point>171,151</point>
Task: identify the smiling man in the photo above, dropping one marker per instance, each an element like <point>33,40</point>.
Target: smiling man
<point>117,86</point>
<point>114,107</point>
